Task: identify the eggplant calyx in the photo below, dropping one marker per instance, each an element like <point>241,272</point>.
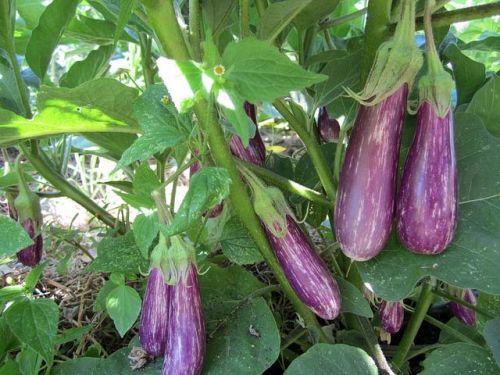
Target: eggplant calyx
<point>27,203</point>
<point>173,260</point>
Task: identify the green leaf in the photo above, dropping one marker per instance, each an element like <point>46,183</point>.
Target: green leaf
<point>489,303</point>
<point>145,231</point>
<point>163,127</point>
<point>30,11</point>
<point>9,93</point>
<point>241,331</point>
<point>7,24</point>
<point>29,361</point>
<point>8,341</point>
<point>459,358</point>
<point>118,254</point>
<point>333,359</point>
<point>314,12</point>
<point>218,14</point>
<point>14,237</point>
<point>123,304</point>
<point>492,336</point>
<point>94,31</point>
<point>101,105</point>
<point>237,245</point>
<point>472,258</point>
<point>457,325</point>
<point>46,35</point>
<point>207,188</point>
<point>342,72</point>
<point>126,10</point>
<point>488,44</point>
<point>100,301</point>
<point>10,367</point>
<point>262,73</point>
<point>278,16</point>
<point>469,74</point>
<point>72,334</point>
<point>94,65</point>
<point>232,106</point>
<point>183,81</point>
<point>485,105</point>
<point>145,181</point>
<point>353,300</point>
<point>78,366</point>
<point>34,322</point>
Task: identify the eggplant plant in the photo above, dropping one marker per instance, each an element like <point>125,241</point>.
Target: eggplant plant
<point>180,197</point>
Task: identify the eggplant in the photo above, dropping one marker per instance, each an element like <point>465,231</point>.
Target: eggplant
<point>306,272</point>
<point>427,204</point>
<point>464,314</point>
<point>153,328</point>
<point>31,255</point>
<point>329,128</point>
<point>256,151</point>
<point>185,349</point>
<point>367,186</point>
<point>391,316</point>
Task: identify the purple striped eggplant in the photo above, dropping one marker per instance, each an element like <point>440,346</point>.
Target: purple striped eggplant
<point>428,197</point>
<point>464,314</point>
<point>329,128</point>
<point>367,187</point>
<point>185,350</point>
<point>153,328</point>
<point>391,316</point>
<point>31,255</point>
<point>306,272</point>
<point>256,151</point>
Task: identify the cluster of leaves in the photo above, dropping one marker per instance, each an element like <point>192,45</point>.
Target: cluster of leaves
<point>244,331</point>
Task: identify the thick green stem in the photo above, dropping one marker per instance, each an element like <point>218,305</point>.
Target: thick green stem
<point>433,63</point>
<point>312,146</point>
<point>170,37</point>
<point>147,69</point>
<point>376,31</point>
<point>424,302</point>
<point>46,170</point>
<point>286,184</point>
<point>244,18</point>
<point>194,28</point>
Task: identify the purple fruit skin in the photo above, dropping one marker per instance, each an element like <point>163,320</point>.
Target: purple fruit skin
<point>31,255</point>
<point>391,316</point>
<point>464,314</point>
<point>427,202</point>
<point>305,270</point>
<point>329,128</point>
<point>366,193</point>
<point>256,151</point>
<point>185,349</point>
<point>153,328</point>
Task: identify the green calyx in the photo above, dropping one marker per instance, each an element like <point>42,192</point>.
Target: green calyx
<point>27,203</point>
<point>269,204</point>
<point>397,62</point>
<point>436,85</point>
<point>173,260</point>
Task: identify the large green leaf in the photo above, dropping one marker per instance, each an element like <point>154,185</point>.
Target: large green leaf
<point>126,10</point>
<point>123,304</point>
<point>241,331</point>
<point>492,336</point>
<point>469,74</point>
<point>218,13</point>
<point>14,237</point>
<point>102,105</point>
<point>94,31</point>
<point>78,366</point>
<point>34,322</point>
<point>485,104</point>
<point>278,16</point>
<point>262,73</point>
<point>145,231</point>
<point>9,93</point>
<point>353,300</point>
<point>460,358</point>
<point>314,12</point>
<point>237,245</point>
<point>162,126</point>
<point>471,260</point>
<point>30,11</point>
<point>46,35</point>
<point>323,359</point>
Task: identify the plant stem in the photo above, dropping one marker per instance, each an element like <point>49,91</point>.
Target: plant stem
<point>284,183</point>
<point>416,320</point>
<point>460,301</point>
<point>261,6</point>
<point>461,15</point>
<point>145,43</point>
<point>343,19</point>
<point>194,28</point>
<point>244,18</point>
<point>376,31</point>
<point>312,146</point>
<point>163,20</point>
<point>46,170</point>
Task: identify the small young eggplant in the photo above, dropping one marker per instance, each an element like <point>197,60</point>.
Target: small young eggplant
<point>464,314</point>
<point>367,186</point>
<point>306,272</point>
<point>391,316</point>
<point>428,197</point>
<point>153,329</point>
<point>185,350</point>
<point>329,128</point>
<point>256,151</point>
